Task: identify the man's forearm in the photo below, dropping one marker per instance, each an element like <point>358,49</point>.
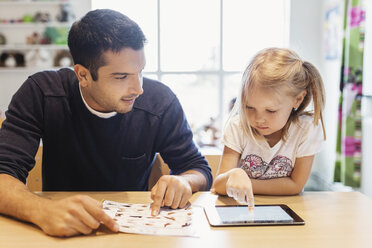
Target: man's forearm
<point>197,180</point>
<point>17,200</point>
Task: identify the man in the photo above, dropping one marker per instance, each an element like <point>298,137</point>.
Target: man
<point>101,126</point>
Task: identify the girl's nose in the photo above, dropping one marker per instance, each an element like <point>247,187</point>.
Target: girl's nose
<point>260,120</point>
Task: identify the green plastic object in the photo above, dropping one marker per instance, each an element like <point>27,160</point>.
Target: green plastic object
<point>28,18</point>
<point>58,35</point>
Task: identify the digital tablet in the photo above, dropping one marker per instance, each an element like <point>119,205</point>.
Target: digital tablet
<point>263,215</point>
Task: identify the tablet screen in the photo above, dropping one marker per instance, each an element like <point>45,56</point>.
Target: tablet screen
<point>263,213</point>
<point>235,215</point>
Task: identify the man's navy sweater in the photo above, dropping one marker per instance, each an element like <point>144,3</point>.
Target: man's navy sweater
<point>83,152</point>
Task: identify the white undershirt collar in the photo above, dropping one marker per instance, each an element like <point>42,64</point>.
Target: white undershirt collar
<point>95,112</point>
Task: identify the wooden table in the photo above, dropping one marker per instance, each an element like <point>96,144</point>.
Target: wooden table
<point>333,219</point>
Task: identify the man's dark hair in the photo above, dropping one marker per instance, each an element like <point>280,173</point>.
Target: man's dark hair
<point>99,31</point>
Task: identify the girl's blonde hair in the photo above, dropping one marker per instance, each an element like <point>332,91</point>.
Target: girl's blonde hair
<point>278,69</point>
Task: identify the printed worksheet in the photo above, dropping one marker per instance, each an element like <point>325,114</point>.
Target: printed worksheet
<point>137,218</point>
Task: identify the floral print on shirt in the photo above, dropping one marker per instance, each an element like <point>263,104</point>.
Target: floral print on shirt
<point>255,167</point>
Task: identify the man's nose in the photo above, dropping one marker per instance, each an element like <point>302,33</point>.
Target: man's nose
<point>136,88</point>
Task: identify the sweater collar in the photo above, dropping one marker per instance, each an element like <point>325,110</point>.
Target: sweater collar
<point>95,112</point>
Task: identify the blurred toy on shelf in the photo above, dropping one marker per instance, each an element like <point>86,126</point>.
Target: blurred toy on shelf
<point>58,35</point>
<point>2,39</point>
<point>42,17</point>
<point>27,18</point>
<point>36,38</point>
<point>63,58</point>
<point>40,58</point>
<point>33,38</point>
<point>66,14</point>
<point>208,134</point>
<point>12,59</point>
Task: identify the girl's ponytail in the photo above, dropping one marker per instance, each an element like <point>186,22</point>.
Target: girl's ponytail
<point>316,88</point>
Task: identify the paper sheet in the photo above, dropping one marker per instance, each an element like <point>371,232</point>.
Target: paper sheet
<point>137,218</point>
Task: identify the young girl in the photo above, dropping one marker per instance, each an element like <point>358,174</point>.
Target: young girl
<point>270,139</point>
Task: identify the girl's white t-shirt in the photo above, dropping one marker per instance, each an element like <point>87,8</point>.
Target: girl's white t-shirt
<point>264,162</point>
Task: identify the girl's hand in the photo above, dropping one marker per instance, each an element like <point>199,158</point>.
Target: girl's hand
<point>239,186</point>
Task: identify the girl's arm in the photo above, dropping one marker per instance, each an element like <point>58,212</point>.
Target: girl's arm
<point>229,161</point>
<point>286,185</point>
<point>233,181</point>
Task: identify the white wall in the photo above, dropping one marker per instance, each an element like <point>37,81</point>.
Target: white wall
<point>306,29</point>
<point>9,84</point>
<point>306,38</point>
<point>366,186</point>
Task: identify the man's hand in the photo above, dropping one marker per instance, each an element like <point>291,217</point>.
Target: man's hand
<point>71,216</point>
<point>172,191</point>
<point>239,186</point>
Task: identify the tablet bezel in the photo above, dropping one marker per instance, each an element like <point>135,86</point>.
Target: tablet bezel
<point>215,220</point>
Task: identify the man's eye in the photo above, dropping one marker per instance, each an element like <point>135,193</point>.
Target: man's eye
<point>123,77</point>
<point>248,107</point>
<point>271,111</point>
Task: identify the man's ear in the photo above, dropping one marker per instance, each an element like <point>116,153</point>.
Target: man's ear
<point>299,98</point>
<point>83,75</point>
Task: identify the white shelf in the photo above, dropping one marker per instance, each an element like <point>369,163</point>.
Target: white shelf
<point>27,69</point>
<point>35,24</point>
<point>32,47</point>
<point>23,2</point>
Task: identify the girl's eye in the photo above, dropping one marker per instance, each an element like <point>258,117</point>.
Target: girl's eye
<point>249,108</point>
<point>271,111</point>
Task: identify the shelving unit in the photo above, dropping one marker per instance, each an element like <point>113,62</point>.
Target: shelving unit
<point>24,38</point>
<point>33,2</point>
<point>34,25</point>
<point>11,78</point>
<point>28,70</point>
<point>32,46</point>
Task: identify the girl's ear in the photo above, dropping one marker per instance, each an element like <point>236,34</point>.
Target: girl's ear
<point>299,98</point>
<point>83,75</point>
